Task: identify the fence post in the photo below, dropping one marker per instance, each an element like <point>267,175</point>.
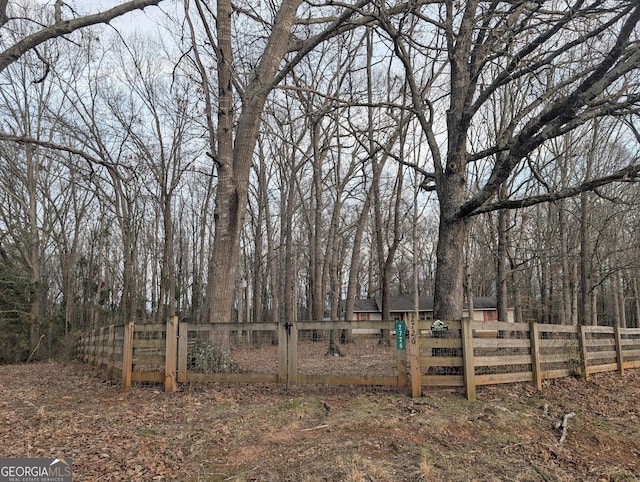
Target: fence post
<point>127,355</point>
<point>101,354</point>
<point>92,348</point>
<point>287,352</point>
<point>401,365</point>
<point>83,348</point>
<point>183,347</point>
<point>414,355</point>
<point>282,352</point>
<point>110,351</point>
<point>616,331</point>
<point>171,355</point>
<point>467,357</point>
<point>534,337</point>
<point>583,350</point>
<point>292,351</point>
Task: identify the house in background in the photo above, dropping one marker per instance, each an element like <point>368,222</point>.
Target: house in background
<point>484,308</point>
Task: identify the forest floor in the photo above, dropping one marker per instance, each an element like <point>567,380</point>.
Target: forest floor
<point>220,432</point>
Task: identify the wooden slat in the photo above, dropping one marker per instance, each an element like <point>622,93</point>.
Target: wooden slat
<point>497,378</point>
<point>607,367</point>
<point>630,331</point>
<point>492,361</point>
<point>501,343</point>
<point>599,329</point>
<point>453,324</point>
<point>499,326</point>
<point>440,342</point>
<point>557,328</point>
<point>631,364</point>
<point>345,325</point>
<point>210,327</point>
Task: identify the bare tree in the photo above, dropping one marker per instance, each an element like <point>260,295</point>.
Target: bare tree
<point>522,39</point>
<point>14,48</point>
<point>233,137</point>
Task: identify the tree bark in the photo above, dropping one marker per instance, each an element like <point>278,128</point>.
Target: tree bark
<point>234,152</point>
<point>502,267</point>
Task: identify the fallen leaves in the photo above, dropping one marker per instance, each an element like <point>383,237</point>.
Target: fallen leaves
<point>265,433</point>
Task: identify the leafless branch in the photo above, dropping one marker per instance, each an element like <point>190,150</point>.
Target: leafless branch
<point>630,173</point>
<point>59,28</point>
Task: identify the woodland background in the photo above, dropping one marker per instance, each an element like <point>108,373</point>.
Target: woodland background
<point>276,160</point>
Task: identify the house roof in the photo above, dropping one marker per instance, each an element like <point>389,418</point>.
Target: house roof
<point>405,304</point>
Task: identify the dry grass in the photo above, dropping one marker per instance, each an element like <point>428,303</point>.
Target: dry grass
<point>264,433</point>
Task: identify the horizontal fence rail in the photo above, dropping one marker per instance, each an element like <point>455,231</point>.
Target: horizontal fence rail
<point>458,354</point>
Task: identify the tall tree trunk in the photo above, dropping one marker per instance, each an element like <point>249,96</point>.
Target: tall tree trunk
<point>318,247</point>
<point>502,269</point>
<point>34,260</point>
<point>452,232</point>
<point>586,270</point>
<point>468,288</point>
<point>234,153</point>
<point>449,269</point>
<point>287,260</point>
<point>354,266</point>
<point>636,303</point>
<point>516,276</point>
<point>622,312</point>
<point>586,284</point>
<point>451,179</point>
<point>168,271</point>
<point>594,307</point>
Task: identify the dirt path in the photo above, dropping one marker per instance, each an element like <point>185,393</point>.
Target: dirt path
<point>262,433</point>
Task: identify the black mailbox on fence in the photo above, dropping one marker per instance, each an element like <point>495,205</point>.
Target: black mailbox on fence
<point>439,329</point>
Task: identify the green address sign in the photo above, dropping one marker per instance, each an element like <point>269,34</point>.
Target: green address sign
<point>401,336</point>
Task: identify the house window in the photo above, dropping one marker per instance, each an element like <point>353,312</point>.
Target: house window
<point>363,316</point>
<point>490,315</point>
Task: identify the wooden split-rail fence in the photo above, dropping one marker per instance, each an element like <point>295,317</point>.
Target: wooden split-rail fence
<point>463,353</point>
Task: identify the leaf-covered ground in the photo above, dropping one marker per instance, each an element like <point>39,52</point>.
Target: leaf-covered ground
<point>267,433</point>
